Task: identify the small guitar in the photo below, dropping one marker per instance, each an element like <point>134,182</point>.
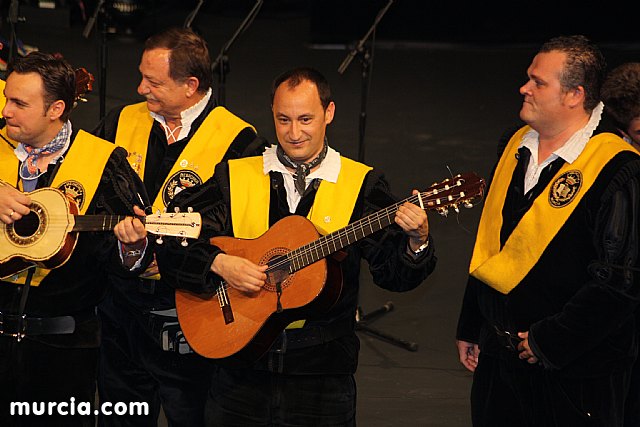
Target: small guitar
<point>47,235</point>
<point>299,284</point>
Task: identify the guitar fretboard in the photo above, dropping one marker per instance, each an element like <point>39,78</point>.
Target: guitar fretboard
<point>331,243</point>
<point>97,222</point>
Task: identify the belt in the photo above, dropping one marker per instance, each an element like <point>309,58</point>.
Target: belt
<point>16,326</point>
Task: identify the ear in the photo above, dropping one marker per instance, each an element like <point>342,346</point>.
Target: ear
<point>192,84</point>
<point>575,96</point>
<point>329,112</point>
<point>56,109</point>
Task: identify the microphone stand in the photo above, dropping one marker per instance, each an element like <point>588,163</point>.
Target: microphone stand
<point>102,50</point>
<point>193,14</point>
<point>366,59</point>
<point>13,19</point>
<point>363,51</point>
<point>221,64</point>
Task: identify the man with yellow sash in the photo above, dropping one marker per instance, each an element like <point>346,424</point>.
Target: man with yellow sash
<point>547,321</point>
<point>175,139</point>
<point>306,377</point>
<point>49,329</point>
<point>621,96</point>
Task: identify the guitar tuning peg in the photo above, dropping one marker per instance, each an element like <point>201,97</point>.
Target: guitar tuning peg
<point>443,211</point>
<point>184,242</point>
<point>158,212</point>
<point>159,240</point>
<point>190,209</point>
<point>176,209</point>
<point>468,204</point>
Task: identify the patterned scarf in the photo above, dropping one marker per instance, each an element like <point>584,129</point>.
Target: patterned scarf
<point>302,169</point>
<point>29,167</point>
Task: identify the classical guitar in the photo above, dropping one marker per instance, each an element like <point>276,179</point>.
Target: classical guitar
<point>299,284</point>
<point>47,235</point>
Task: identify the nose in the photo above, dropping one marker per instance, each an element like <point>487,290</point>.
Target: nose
<point>524,89</point>
<point>295,132</point>
<point>6,111</point>
<point>143,88</point>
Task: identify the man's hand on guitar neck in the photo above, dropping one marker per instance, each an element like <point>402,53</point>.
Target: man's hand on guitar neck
<point>133,236</point>
<point>13,204</point>
<point>240,273</point>
<point>413,220</point>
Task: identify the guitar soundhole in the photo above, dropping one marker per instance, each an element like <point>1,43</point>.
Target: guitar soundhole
<point>27,226</point>
<point>29,229</point>
<point>276,255</point>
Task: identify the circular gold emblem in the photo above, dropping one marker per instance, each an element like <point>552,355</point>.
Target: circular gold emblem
<point>178,182</point>
<point>565,188</point>
<point>73,190</point>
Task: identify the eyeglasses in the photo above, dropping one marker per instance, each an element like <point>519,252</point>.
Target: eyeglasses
<point>507,339</point>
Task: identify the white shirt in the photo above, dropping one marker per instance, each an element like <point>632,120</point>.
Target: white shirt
<point>569,152</point>
<point>186,118</point>
<point>328,170</point>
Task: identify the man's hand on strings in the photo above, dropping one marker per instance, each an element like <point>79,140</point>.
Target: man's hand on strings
<point>240,273</point>
<point>13,204</point>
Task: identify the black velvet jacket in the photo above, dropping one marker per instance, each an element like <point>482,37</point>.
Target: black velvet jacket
<point>578,301</point>
<point>161,157</point>
<point>77,286</point>
<point>385,251</point>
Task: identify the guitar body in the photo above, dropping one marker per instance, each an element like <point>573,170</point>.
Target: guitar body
<point>43,237</point>
<point>256,322</point>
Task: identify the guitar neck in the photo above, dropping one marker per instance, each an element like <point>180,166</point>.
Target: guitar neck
<point>331,243</point>
<point>97,222</point>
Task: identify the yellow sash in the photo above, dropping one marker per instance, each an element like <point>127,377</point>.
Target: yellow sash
<point>8,162</point>
<point>504,269</point>
<point>198,160</point>
<point>3,100</point>
<point>331,210</point>
<point>78,177</point>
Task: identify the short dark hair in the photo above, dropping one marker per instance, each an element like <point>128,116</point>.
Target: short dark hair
<point>189,55</point>
<point>296,76</point>
<point>585,66</point>
<point>58,78</point>
<point>621,94</point>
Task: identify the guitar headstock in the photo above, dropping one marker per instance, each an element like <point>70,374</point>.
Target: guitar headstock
<point>186,225</point>
<point>461,190</point>
<point>84,84</point>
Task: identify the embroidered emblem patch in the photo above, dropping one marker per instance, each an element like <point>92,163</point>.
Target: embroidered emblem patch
<point>73,190</point>
<point>564,188</point>
<point>178,182</point>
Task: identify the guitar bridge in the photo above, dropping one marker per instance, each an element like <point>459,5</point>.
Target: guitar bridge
<point>223,300</point>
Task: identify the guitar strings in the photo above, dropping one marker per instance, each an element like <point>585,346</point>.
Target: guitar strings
<point>309,249</point>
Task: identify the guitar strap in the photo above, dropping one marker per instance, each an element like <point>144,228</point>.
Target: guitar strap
<point>504,268</point>
<point>250,193</point>
<point>78,180</point>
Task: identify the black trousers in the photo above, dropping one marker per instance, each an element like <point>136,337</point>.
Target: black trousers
<point>245,398</point>
<point>134,368</point>
<point>58,383</point>
<point>507,393</point>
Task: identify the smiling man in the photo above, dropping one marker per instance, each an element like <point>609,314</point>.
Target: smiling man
<point>307,376</point>
<point>174,138</point>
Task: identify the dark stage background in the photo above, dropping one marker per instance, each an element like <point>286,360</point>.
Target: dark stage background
<point>443,86</point>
